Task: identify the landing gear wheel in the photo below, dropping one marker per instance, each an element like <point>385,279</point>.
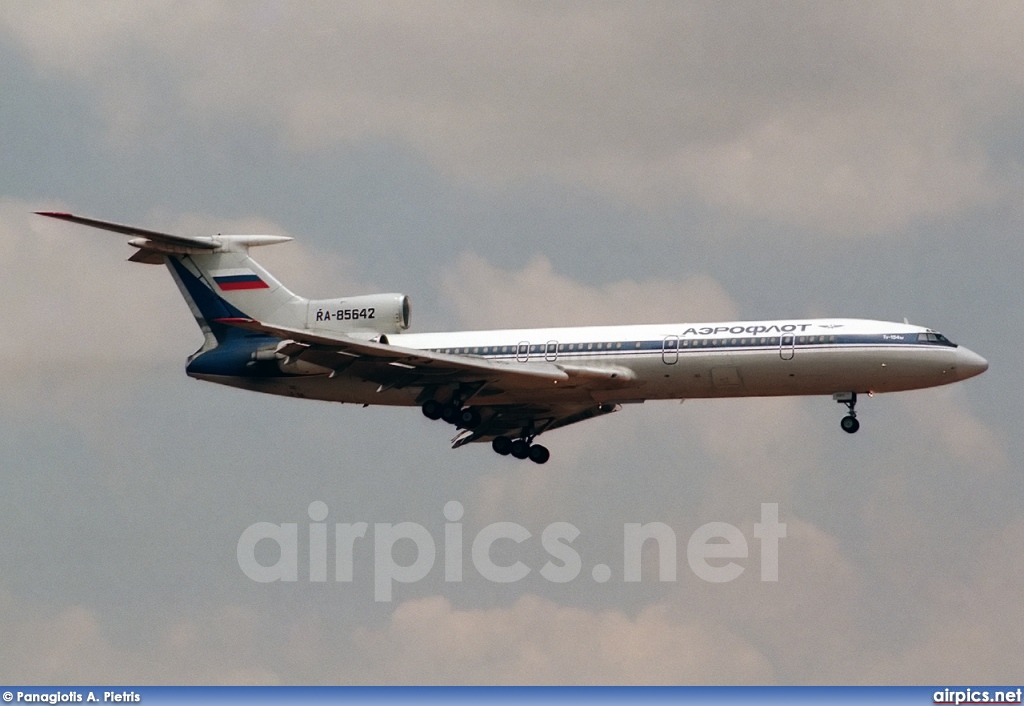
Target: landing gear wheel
<point>469,418</point>
<point>849,424</point>
<point>539,454</point>
<point>502,445</point>
<point>520,449</point>
<point>432,409</point>
<point>450,413</point>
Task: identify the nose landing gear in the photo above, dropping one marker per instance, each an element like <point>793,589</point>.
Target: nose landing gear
<point>849,423</point>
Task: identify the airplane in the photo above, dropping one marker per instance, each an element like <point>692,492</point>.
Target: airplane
<point>508,387</point>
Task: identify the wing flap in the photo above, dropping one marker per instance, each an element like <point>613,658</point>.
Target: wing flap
<point>512,420</point>
<point>611,376</point>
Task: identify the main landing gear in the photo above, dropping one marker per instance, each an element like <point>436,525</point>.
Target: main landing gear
<point>849,423</point>
<point>452,412</point>
<point>521,448</point>
<point>469,418</point>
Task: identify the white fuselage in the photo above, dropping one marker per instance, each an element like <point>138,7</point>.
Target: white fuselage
<point>678,361</point>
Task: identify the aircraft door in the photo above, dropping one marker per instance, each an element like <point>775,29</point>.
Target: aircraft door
<point>523,351</point>
<point>670,350</point>
<point>787,346</point>
<point>551,351</point>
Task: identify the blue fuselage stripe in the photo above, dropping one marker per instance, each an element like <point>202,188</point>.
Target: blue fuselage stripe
<point>672,346</point>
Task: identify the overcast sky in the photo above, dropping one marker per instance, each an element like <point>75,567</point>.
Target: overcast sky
<point>512,164</point>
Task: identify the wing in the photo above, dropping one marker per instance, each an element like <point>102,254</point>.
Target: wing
<point>559,393</point>
<point>398,367</point>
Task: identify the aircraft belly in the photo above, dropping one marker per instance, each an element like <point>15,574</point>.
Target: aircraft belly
<point>320,387</point>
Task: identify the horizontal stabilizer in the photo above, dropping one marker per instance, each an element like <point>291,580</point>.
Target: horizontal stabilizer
<point>147,257</point>
<point>205,243</point>
<point>167,243</point>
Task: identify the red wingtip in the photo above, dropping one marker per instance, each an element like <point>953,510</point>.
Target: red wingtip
<point>234,320</point>
<point>54,214</point>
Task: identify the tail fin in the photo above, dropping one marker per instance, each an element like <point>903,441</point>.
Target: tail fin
<point>218,286</point>
<point>219,280</point>
<point>215,274</point>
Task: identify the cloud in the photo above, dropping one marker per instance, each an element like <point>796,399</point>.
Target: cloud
<point>489,297</point>
<point>943,417</point>
<point>973,634</point>
<point>843,119</point>
<point>77,298</point>
<point>535,641</point>
<point>71,645</point>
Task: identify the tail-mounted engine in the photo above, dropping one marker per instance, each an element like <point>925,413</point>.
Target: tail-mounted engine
<point>378,313</point>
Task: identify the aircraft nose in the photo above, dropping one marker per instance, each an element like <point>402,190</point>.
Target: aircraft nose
<point>969,364</point>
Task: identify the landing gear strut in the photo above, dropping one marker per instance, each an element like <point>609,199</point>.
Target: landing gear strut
<point>849,423</point>
<point>521,449</point>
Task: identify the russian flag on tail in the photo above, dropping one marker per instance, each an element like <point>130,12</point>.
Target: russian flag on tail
<point>235,279</point>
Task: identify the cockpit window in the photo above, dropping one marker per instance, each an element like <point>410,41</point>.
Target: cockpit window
<point>932,337</point>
